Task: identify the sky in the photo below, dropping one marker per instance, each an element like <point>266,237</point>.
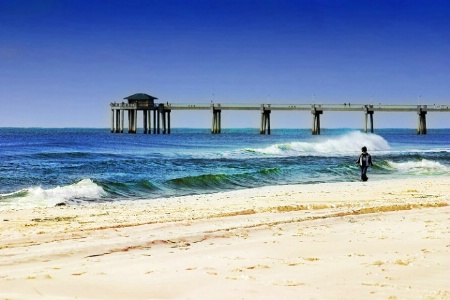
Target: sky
<point>63,62</point>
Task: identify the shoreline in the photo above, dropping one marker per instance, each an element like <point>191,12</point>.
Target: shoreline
<point>384,238</point>
<point>238,192</point>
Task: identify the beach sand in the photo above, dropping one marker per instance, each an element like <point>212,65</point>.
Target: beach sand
<point>372,240</point>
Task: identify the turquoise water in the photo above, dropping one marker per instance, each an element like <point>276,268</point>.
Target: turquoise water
<point>43,167</point>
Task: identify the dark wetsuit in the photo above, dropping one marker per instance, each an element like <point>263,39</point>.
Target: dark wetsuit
<point>364,161</point>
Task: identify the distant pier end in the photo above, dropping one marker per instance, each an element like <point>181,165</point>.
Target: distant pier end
<point>159,114</point>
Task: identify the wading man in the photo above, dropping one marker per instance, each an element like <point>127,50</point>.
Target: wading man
<point>364,161</point>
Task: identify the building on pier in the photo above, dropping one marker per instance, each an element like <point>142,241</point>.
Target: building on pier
<point>141,100</point>
<point>146,104</point>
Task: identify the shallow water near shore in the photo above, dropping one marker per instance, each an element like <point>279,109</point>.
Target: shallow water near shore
<point>43,167</point>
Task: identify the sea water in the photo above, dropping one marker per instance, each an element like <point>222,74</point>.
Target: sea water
<point>44,167</point>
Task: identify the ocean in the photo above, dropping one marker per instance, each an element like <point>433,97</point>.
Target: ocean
<point>45,167</point>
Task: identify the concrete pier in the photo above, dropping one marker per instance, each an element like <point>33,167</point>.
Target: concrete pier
<point>217,119</point>
<point>145,117</point>
<point>265,119</point>
<point>144,103</point>
<point>422,113</point>
<point>132,121</point>
<point>316,111</point>
<point>163,119</point>
<point>162,113</point>
<point>368,113</point>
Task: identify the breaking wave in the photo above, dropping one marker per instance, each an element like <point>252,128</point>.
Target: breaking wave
<point>80,191</point>
<point>421,167</point>
<point>347,144</point>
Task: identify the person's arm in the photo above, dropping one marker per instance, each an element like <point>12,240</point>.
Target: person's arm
<point>370,161</point>
<point>359,160</point>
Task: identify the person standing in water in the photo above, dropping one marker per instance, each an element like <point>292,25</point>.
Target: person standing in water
<point>364,161</point>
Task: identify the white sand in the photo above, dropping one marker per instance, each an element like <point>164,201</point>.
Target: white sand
<point>374,240</point>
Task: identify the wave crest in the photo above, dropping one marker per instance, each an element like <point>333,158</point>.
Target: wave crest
<point>84,189</point>
<point>222,181</point>
<point>422,167</point>
<point>349,143</point>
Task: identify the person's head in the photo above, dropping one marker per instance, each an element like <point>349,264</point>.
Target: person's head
<point>364,149</point>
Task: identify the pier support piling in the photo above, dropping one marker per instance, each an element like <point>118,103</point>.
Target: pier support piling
<point>145,125</point>
<point>168,121</point>
<point>158,123</point>
<point>118,121</point>
<point>163,118</point>
<point>155,120</point>
<point>216,123</point>
<point>112,120</point>
<point>149,121</point>
<point>216,120</point>
<point>265,120</point>
<point>135,119</point>
<point>130,121</point>
<point>422,126</point>
<point>163,122</point>
<point>368,109</point>
<point>316,120</point>
<point>122,120</point>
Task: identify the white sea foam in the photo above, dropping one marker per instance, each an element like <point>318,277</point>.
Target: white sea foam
<point>349,143</point>
<point>37,196</point>
<point>422,167</point>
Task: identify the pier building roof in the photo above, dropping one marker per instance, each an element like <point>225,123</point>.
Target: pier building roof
<point>140,96</point>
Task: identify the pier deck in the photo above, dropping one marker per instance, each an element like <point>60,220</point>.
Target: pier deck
<point>161,113</point>
<point>307,107</point>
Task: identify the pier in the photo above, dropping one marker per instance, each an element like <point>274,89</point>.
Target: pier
<point>160,113</point>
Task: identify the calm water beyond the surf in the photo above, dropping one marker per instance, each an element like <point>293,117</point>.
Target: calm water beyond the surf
<point>43,167</point>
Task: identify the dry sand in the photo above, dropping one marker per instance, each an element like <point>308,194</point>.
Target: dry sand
<point>373,240</point>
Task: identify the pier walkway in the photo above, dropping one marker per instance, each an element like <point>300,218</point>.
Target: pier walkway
<point>161,114</point>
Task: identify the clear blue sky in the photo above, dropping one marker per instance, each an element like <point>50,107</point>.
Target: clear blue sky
<point>63,62</point>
